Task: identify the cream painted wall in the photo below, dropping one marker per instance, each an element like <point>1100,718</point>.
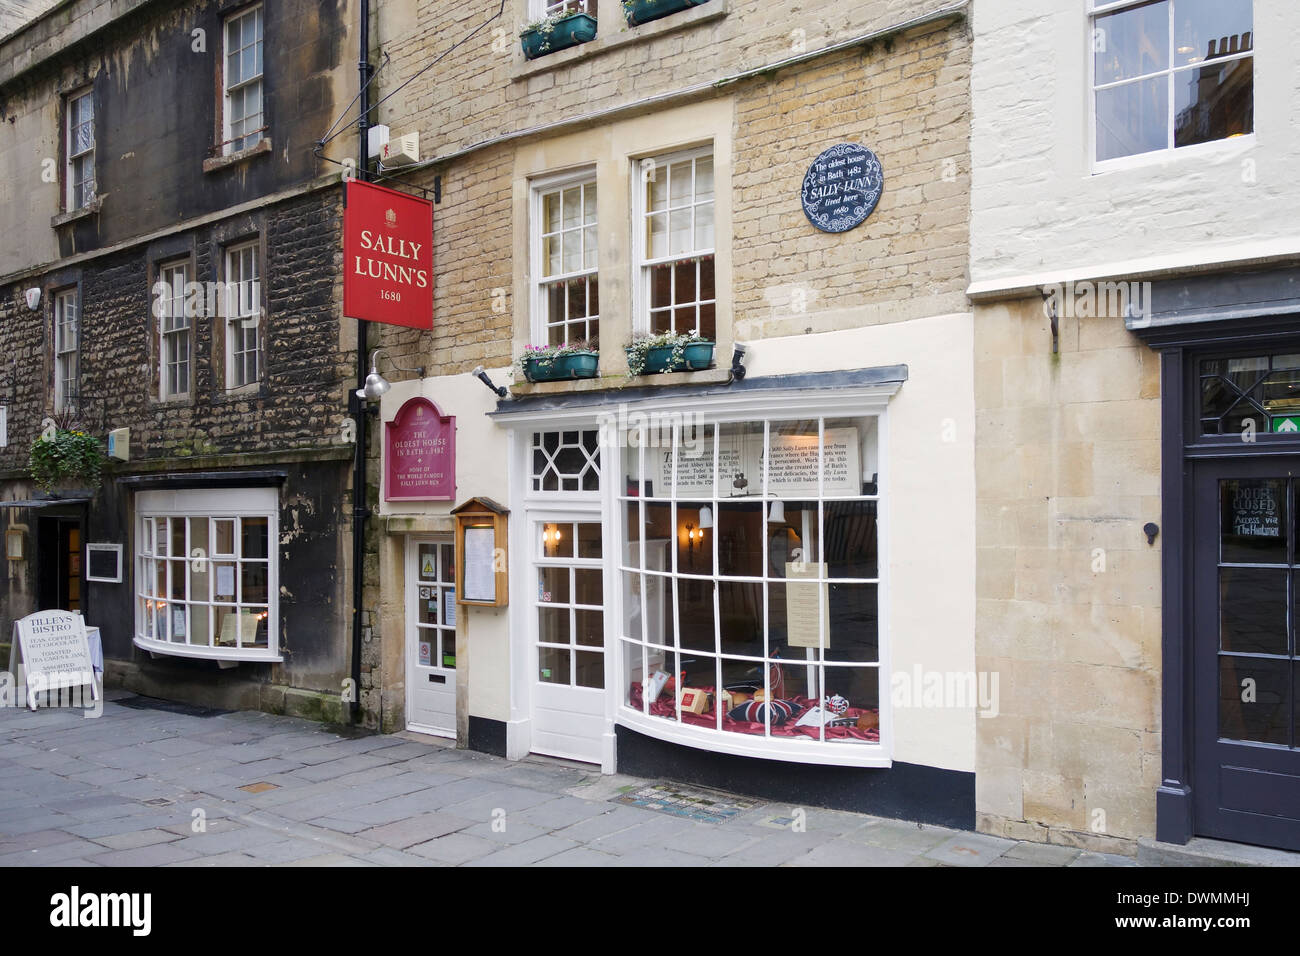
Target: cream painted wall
<point>481,454</point>
<point>931,507</point>
<point>1039,213</point>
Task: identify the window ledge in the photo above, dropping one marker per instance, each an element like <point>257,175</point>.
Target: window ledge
<point>209,653</point>
<point>789,749</point>
<point>1218,150</point>
<point>217,163</point>
<point>621,35</point>
<point>610,382</point>
<point>91,208</point>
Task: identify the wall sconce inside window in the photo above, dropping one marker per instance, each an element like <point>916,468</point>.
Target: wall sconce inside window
<point>15,544</point>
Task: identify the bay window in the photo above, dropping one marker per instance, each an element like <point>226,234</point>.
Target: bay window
<point>675,240</point>
<point>206,573</point>
<point>1171,73</point>
<point>566,262</point>
<point>750,581</point>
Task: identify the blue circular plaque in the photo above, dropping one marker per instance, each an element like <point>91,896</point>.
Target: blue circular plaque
<point>842,187</point>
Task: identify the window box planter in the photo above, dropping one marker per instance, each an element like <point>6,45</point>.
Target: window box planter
<point>643,11</point>
<point>552,36</point>
<point>562,368</point>
<point>695,356</point>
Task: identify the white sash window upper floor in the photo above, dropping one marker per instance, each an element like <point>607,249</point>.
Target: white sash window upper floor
<point>80,151</point>
<point>244,116</point>
<point>1168,74</point>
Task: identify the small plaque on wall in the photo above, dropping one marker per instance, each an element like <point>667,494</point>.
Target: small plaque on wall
<point>842,187</point>
<point>104,563</point>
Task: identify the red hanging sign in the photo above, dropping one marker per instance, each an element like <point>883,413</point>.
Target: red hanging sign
<point>420,453</point>
<point>387,256</point>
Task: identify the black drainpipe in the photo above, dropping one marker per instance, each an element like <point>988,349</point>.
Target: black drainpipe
<point>360,508</point>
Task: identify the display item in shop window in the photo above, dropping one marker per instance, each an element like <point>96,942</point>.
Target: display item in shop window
<point>779,711</point>
<point>694,700</point>
<point>837,704</point>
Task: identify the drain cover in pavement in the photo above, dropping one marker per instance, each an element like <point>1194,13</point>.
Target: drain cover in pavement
<point>260,787</point>
<point>158,802</point>
<point>704,806</point>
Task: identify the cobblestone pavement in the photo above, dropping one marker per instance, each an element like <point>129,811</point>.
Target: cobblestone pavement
<point>129,789</point>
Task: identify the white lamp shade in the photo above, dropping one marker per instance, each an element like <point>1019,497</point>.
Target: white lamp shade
<point>706,517</point>
<point>777,515</point>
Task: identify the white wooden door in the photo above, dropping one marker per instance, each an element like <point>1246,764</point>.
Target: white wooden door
<point>431,636</point>
<point>568,630</point>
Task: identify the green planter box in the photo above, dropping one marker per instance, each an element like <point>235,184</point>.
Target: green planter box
<point>643,11</point>
<point>696,356</point>
<point>570,31</point>
<point>563,368</point>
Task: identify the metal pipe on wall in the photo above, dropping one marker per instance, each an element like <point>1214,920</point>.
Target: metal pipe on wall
<point>360,508</point>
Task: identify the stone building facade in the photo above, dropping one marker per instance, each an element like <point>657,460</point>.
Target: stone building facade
<point>867,334</point>
<point>184,241</point>
<point>1127,262</point>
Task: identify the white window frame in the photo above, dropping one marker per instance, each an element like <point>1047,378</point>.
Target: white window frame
<point>212,505</point>
<point>641,263</point>
<point>590,465</point>
<point>1197,151</point>
<point>541,188</point>
<point>244,312</point>
<point>113,549</point>
<point>75,197</point>
<point>537,9</point>
<point>174,329</point>
<point>850,402</point>
<point>67,355</point>
<point>248,82</point>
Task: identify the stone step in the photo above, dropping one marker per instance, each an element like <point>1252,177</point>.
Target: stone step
<point>1200,851</point>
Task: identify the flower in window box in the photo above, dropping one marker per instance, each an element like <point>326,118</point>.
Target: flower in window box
<point>559,31</point>
<point>668,352</point>
<point>555,363</point>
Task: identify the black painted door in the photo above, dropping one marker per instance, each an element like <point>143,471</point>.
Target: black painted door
<point>1247,670</point>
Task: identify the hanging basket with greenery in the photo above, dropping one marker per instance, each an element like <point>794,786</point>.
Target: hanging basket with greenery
<point>66,458</point>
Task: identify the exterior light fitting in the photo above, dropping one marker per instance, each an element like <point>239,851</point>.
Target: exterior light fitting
<point>376,385</point>
<point>482,376</point>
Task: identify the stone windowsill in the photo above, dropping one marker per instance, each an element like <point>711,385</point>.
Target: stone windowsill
<point>621,35</point>
<point>216,163</point>
<point>610,382</point>
<point>91,208</point>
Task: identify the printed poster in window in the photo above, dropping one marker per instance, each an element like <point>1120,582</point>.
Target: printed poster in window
<point>426,654</point>
<point>449,607</point>
<point>804,596</point>
<point>792,471</point>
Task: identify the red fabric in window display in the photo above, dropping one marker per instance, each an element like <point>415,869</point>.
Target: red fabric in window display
<point>667,707</point>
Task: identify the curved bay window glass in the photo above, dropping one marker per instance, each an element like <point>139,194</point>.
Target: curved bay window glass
<point>750,584</point>
<point>206,573</point>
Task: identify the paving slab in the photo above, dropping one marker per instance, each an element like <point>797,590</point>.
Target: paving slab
<point>412,830</point>
<point>970,849</point>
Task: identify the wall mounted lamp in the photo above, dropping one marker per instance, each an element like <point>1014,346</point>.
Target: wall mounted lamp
<point>376,385</point>
<point>482,376</point>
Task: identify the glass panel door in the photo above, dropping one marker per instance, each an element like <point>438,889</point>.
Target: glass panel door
<point>431,636</point>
